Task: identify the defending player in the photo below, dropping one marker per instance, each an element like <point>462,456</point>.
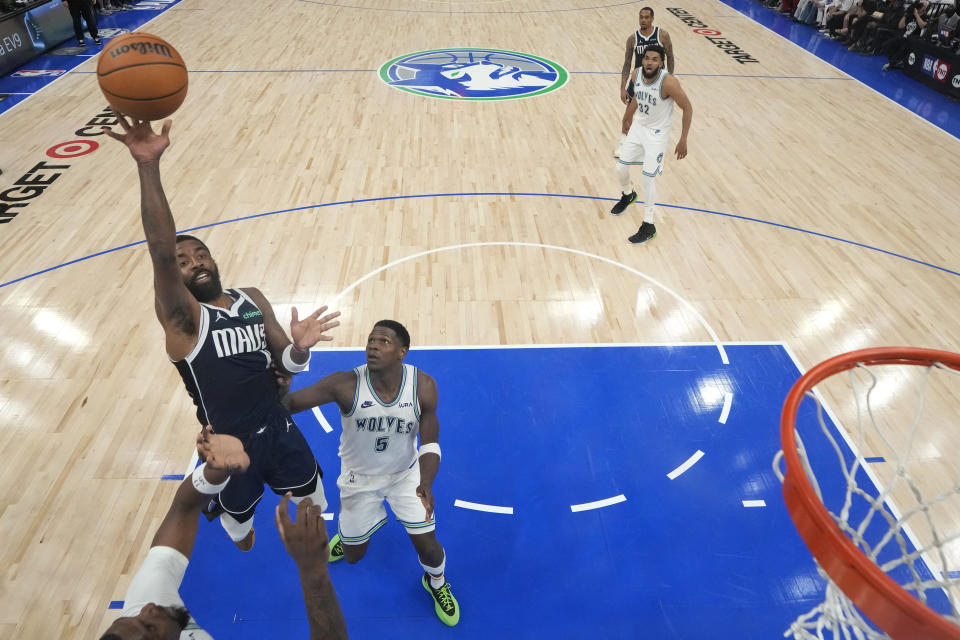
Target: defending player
<point>384,405</point>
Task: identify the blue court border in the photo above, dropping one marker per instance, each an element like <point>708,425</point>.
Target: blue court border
<point>914,96</point>
<point>491,194</point>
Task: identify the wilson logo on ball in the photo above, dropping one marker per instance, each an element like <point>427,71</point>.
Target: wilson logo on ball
<point>143,48</point>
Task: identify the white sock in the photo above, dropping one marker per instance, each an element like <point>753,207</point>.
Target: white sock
<point>623,173</point>
<point>649,197</point>
<point>437,579</point>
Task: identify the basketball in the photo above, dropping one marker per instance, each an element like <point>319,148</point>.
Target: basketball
<point>142,76</point>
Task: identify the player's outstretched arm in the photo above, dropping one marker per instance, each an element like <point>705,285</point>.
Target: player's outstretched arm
<point>625,71</point>
<point>177,309</point>
<point>337,387</point>
<point>428,397</point>
<point>306,542</point>
<point>673,90</point>
<point>224,455</point>
<point>306,332</point>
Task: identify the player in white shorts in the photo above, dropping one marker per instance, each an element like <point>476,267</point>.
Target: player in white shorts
<point>153,609</point>
<point>384,405</point>
<point>647,127</point>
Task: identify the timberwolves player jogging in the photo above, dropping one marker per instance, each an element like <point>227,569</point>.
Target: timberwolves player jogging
<point>646,125</point>
<point>384,405</point>
<point>637,43</point>
<point>224,344</point>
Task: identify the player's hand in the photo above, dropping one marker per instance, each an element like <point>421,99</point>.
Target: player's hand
<point>221,451</point>
<point>624,96</point>
<point>143,143</point>
<point>681,149</point>
<point>426,497</point>
<point>306,539</point>
<point>283,382</point>
<point>310,330</point>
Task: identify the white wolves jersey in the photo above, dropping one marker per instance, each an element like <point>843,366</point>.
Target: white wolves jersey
<point>228,372</point>
<point>380,436</point>
<point>641,43</point>
<point>653,110</point>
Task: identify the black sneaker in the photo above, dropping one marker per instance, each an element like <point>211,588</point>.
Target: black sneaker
<point>96,41</point>
<point>647,231</point>
<point>625,201</point>
<point>81,43</point>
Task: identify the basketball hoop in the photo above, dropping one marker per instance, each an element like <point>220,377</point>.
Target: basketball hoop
<point>858,570</point>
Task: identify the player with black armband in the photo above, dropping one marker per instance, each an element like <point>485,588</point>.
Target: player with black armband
<point>384,406</point>
<point>225,344</point>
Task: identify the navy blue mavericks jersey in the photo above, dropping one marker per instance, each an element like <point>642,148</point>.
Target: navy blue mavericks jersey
<point>228,372</point>
<point>641,43</point>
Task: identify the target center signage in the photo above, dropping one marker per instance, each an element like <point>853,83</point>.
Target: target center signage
<point>33,184</point>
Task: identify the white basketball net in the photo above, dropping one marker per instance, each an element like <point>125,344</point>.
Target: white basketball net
<point>901,505</point>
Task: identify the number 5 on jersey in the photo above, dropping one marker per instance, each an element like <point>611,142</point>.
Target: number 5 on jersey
<point>382,443</point>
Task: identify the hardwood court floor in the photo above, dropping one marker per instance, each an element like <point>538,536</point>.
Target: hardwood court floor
<point>286,112</point>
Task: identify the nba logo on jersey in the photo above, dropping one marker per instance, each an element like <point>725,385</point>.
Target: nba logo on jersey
<point>473,74</point>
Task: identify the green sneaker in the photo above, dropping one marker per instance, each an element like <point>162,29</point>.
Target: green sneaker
<point>336,549</point>
<point>448,610</point>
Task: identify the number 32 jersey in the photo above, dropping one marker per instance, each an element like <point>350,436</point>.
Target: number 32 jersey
<point>653,110</point>
<point>380,437</point>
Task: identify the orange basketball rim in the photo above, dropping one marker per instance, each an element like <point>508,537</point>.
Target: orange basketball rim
<point>894,610</point>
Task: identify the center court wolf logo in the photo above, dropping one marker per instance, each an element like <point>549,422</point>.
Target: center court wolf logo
<point>473,74</point>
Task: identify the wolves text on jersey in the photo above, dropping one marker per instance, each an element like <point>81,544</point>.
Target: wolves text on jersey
<point>385,424</point>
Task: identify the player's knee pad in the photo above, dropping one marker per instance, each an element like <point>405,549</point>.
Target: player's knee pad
<point>236,529</point>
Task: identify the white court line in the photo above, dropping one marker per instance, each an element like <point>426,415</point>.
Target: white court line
<point>536,245</point>
<point>323,421</point>
<point>754,503</point>
<point>692,460</point>
<point>727,401</point>
<point>489,508</point>
<point>606,502</point>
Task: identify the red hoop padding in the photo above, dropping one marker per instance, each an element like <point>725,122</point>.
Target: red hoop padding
<point>898,613</point>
